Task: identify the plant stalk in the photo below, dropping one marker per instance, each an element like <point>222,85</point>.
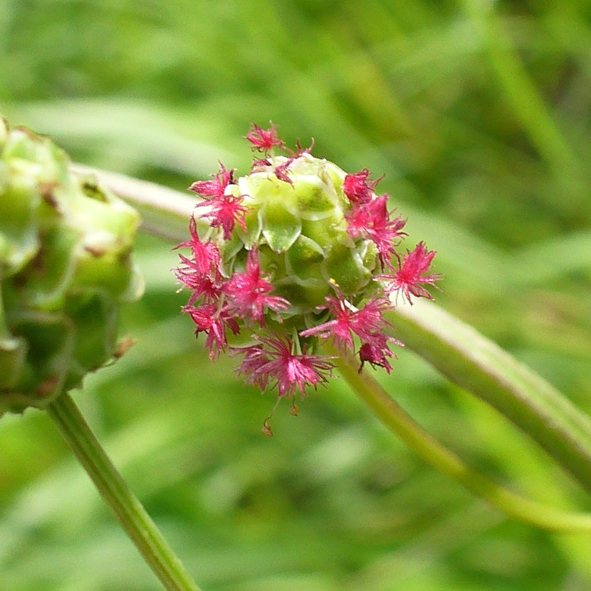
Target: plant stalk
<point>476,364</point>
<point>447,462</point>
<point>127,508</point>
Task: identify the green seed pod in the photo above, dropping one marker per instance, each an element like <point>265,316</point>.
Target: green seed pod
<point>65,267</point>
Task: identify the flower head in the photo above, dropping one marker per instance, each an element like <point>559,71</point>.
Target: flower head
<point>356,187</point>
<point>274,361</point>
<point>248,293</point>
<point>225,212</point>
<point>263,140</point>
<point>413,273</point>
<point>215,188</point>
<point>291,255</point>
<point>66,267</point>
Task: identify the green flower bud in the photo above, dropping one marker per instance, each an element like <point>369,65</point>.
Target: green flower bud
<point>65,268</point>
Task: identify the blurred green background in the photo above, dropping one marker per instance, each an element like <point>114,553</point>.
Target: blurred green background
<point>478,112</point>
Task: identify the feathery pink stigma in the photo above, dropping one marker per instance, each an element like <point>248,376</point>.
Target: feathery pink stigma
<point>255,358</point>
<point>356,187</point>
<point>217,187</point>
<point>207,320</point>
<point>276,361</point>
<point>263,140</point>
<point>212,322</point>
<point>205,254</point>
<point>372,220</point>
<point>259,164</point>
<point>367,323</point>
<point>281,171</point>
<point>206,285</point>
<point>299,151</point>
<point>412,273</point>
<point>247,292</point>
<point>225,212</point>
<point>376,355</point>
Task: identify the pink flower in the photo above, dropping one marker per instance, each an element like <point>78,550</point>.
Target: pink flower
<point>259,164</point>
<point>225,212</point>
<point>281,171</point>
<point>412,273</point>
<point>248,292</point>
<point>217,187</point>
<point>236,286</point>
<point>367,323</point>
<point>372,220</point>
<point>205,254</point>
<point>376,355</point>
<point>206,285</point>
<point>212,322</point>
<point>299,151</point>
<point>274,360</point>
<point>255,358</point>
<point>356,187</point>
<point>264,140</point>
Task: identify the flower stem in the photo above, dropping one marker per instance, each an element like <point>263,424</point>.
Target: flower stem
<point>127,508</point>
<point>473,362</point>
<point>444,460</point>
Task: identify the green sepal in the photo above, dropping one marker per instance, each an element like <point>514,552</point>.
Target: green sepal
<point>50,343</point>
<point>13,353</point>
<point>303,297</point>
<point>254,227</point>
<point>281,228</point>
<point>19,204</point>
<point>303,259</point>
<point>310,199</point>
<point>344,267</point>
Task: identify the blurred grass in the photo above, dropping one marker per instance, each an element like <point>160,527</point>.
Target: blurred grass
<point>478,114</point>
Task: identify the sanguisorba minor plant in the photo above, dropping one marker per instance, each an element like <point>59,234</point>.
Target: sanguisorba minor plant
<point>297,269</point>
<point>297,253</point>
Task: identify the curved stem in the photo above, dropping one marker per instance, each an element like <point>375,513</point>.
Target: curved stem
<point>127,508</point>
<point>444,460</point>
<point>478,365</point>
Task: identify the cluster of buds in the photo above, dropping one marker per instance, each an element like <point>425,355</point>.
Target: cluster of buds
<point>65,269</point>
<point>292,254</point>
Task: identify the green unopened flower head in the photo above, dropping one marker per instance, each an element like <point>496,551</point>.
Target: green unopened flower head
<point>297,251</point>
<point>65,268</point>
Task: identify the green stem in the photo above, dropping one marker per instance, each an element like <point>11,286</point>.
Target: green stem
<point>473,362</point>
<point>444,460</point>
<point>127,508</point>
